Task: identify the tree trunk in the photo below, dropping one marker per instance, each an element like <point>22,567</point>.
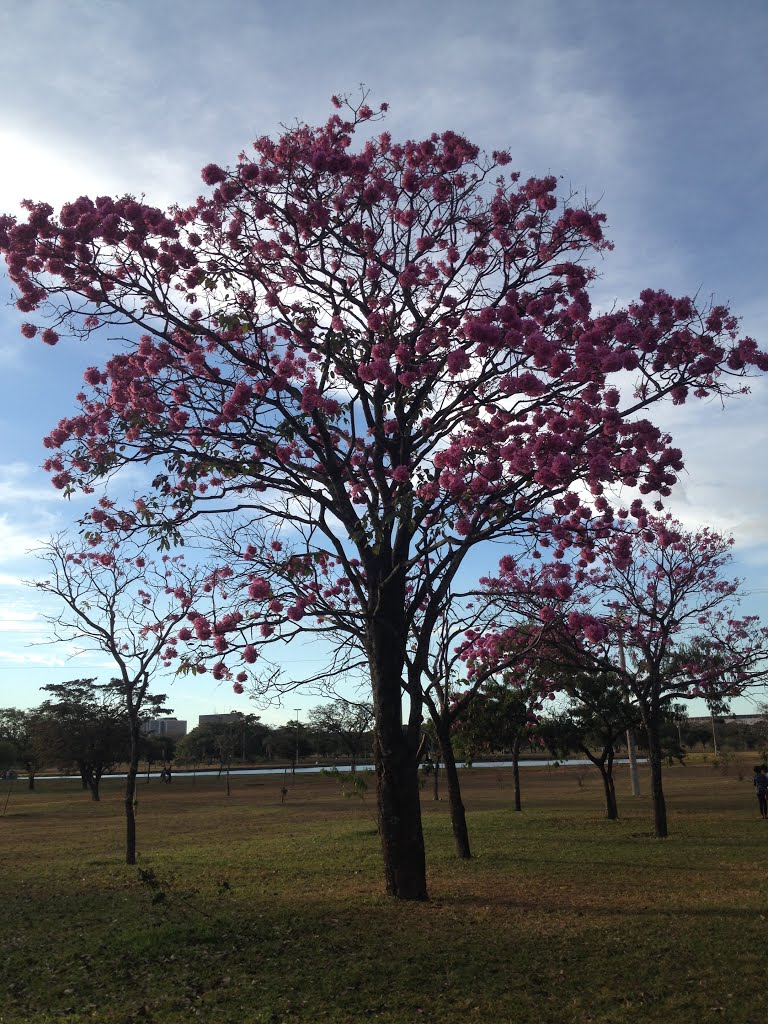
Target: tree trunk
<point>458,815</point>
<point>613,808</point>
<point>516,771</point>
<point>130,796</point>
<point>395,752</point>
<point>651,723</point>
<point>399,819</point>
<point>30,779</point>
<point>604,765</point>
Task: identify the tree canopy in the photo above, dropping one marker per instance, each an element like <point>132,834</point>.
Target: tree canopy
<point>377,356</point>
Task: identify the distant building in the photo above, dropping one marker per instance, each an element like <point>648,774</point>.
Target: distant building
<point>228,719</point>
<point>733,719</point>
<point>174,728</point>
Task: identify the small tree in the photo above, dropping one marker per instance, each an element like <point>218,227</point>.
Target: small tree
<point>85,726</point>
<point>17,728</point>
<point>500,718</point>
<point>116,598</point>
<point>8,754</point>
<point>348,723</point>
<point>593,724</point>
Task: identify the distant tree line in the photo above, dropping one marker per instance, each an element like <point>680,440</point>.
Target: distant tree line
<point>83,728</point>
<point>337,730</point>
<point>594,723</point>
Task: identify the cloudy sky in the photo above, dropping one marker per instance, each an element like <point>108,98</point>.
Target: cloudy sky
<point>657,109</point>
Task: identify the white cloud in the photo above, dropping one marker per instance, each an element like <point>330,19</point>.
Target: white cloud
<point>724,485</point>
<point>15,620</point>
<point>16,540</point>
<point>21,482</point>
<point>21,659</point>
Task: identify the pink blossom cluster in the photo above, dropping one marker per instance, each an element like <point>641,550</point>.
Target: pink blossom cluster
<point>653,589</point>
<point>398,335</point>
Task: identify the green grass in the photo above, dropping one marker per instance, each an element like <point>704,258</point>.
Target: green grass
<point>254,911</point>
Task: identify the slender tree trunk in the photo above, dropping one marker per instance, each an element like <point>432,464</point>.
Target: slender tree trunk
<point>458,815</point>
<point>604,765</point>
<point>130,796</point>
<point>516,770</point>
<point>651,723</point>
<point>395,753</point>
<point>30,778</point>
<point>611,808</point>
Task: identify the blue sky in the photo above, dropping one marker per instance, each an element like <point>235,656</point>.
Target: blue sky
<point>659,114</point>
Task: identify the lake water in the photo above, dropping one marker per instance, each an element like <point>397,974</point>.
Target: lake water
<point>316,769</point>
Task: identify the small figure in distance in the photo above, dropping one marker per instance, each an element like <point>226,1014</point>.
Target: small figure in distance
<point>760,782</point>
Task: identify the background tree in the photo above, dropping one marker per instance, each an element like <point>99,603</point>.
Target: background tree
<point>245,739</point>
<point>652,591</point>
<point>83,726</point>
<point>251,736</point>
<point>500,719</point>
<point>17,727</point>
<point>703,649</point>
<point>761,731</point>
<point>593,723</point>
<point>114,597</point>
<point>387,354</point>
<point>467,621</point>
<point>154,749</point>
<point>197,747</point>
<point>600,708</point>
<point>348,724</point>
<point>8,755</point>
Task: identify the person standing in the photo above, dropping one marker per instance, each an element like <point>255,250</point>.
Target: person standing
<point>760,782</point>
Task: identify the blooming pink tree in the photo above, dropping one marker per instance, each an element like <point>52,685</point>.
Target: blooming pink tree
<point>386,350</point>
<point>630,612</point>
<point>114,597</point>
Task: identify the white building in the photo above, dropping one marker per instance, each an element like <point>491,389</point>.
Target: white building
<point>174,728</point>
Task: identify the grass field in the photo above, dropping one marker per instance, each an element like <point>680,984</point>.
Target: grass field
<point>256,912</point>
